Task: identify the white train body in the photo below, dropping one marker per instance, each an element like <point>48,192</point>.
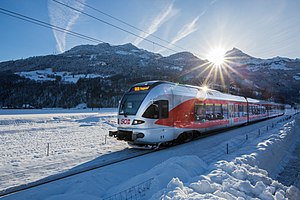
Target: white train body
<point>157,112</point>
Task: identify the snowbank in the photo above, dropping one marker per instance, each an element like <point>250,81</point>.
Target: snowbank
<point>185,167</point>
<point>237,179</point>
<point>244,177</point>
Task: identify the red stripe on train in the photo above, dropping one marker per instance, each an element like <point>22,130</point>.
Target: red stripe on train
<point>182,116</point>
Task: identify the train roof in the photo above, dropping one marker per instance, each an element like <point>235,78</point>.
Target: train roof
<point>215,94</point>
<point>204,92</point>
<point>151,83</point>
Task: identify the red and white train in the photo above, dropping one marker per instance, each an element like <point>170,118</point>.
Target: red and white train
<point>157,112</point>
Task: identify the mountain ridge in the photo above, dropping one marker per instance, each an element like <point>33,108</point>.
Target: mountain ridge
<point>275,78</point>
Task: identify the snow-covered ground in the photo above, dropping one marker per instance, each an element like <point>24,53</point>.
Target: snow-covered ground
<point>49,75</point>
<point>197,170</point>
<point>74,137</point>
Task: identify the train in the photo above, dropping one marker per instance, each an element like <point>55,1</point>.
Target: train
<point>159,112</point>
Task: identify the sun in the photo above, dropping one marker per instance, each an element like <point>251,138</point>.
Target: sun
<point>216,56</point>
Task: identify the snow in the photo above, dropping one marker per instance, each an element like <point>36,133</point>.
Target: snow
<point>255,64</point>
<point>93,57</point>
<point>135,50</point>
<point>177,68</point>
<point>73,138</point>
<point>125,53</point>
<point>199,169</point>
<point>296,78</point>
<point>247,176</point>
<point>291,173</point>
<point>279,66</point>
<point>49,75</point>
<point>144,56</point>
<point>267,64</point>
<point>99,63</point>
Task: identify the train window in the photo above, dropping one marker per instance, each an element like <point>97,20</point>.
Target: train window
<point>218,111</point>
<point>164,109</point>
<point>241,113</point>
<point>152,111</point>
<point>205,112</point>
<point>251,110</point>
<point>130,103</point>
<point>225,111</point>
<point>263,110</point>
<point>209,111</point>
<point>245,110</point>
<point>257,110</point>
<point>230,111</point>
<point>236,110</point>
<point>200,113</point>
<point>157,110</point>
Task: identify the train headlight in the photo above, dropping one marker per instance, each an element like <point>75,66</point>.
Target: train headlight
<point>137,121</point>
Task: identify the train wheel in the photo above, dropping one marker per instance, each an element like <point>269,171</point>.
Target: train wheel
<point>185,137</point>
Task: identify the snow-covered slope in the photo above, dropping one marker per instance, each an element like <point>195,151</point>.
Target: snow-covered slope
<point>238,58</point>
<point>49,75</point>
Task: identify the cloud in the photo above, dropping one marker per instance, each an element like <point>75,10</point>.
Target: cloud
<point>63,17</point>
<point>186,30</point>
<point>159,20</point>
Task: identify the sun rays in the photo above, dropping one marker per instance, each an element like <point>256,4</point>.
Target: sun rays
<point>216,56</point>
<point>218,68</point>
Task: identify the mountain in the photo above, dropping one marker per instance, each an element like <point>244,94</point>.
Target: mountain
<point>99,74</point>
<point>277,75</point>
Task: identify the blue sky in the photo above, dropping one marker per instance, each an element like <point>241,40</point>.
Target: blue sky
<point>261,28</point>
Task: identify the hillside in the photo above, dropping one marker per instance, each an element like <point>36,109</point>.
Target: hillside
<point>99,74</point>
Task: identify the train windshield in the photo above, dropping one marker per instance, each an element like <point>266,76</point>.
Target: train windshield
<point>130,103</point>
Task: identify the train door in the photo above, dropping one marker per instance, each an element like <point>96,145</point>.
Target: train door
<point>172,104</point>
<point>183,106</point>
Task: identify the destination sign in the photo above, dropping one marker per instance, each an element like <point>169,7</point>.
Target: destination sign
<point>141,88</point>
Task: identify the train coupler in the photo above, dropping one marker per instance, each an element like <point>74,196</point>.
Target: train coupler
<point>113,133</point>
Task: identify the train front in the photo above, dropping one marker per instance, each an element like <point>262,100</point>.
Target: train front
<point>140,107</point>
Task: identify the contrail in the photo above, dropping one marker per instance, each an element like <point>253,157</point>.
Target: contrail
<point>63,17</point>
<point>186,30</point>
<point>160,19</point>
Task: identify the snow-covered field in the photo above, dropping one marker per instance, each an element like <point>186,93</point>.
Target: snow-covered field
<point>197,170</point>
<point>73,136</point>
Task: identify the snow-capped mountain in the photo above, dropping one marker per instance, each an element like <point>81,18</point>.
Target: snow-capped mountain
<point>238,58</point>
<point>276,74</point>
<point>117,67</point>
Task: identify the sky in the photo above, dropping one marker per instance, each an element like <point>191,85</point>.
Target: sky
<point>263,29</point>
